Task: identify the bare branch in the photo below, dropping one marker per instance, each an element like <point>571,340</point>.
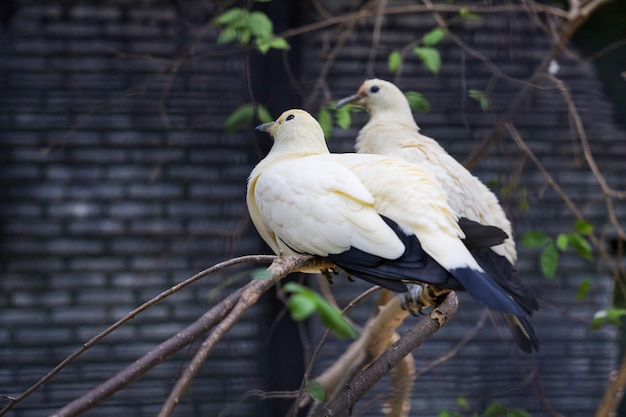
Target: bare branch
<point>91,342</point>
<point>413,338</point>
<point>567,30</point>
<point>614,392</point>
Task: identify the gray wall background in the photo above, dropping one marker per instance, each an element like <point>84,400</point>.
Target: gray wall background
<point>117,181</point>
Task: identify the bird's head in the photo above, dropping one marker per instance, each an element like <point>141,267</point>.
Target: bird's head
<point>376,96</point>
<point>296,129</point>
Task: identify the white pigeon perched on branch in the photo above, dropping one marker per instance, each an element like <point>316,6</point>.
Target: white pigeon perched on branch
<point>392,130</point>
<point>379,218</point>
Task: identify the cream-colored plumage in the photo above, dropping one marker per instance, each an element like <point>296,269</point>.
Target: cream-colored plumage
<point>385,219</point>
<point>301,196</point>
<point>392,131</point>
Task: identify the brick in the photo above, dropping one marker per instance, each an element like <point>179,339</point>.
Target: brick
<point>116,29</point>
<point>97,191</point>
<point>21,317</point>
<point>36,192</point>
<point>72,315</point>
<point>41,335</point>
<point>188,209</point>
<point>188,172</point>
<point>39,264</point>
<point>21,209</point>
<point>78,209</point>
<point>219,156</point>
<point>65,246</point>
<point>100,155</point>
<point>217,192</point>
<point>73,173</point>
<point>43,300</point>
<point>67,280</point>
<point>166,155</point>
<point>24,245</point>
<point>19,172</point>
<point>97,264</point>
<point>96,226</point>
<point>134,138</point>
<point>144,263</point>
<point>124,173</point>
<point>99,12</point>
<point>157,227</point>
<point>130,245</point>
<point>156,191</point>
<point>133,210</point>
<point>32,227</point>
<point>104,296</point>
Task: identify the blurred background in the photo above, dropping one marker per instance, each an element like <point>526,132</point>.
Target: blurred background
<point>123,171</point>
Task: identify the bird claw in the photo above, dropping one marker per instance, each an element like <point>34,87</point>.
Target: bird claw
<point>326,273</point>
<point>422,296</point>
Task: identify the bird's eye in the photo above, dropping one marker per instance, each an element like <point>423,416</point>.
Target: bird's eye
<point>374,89</point>
<point>290,117</point>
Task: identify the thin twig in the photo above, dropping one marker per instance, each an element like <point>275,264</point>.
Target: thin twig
<point>279,269</point>
<point>91,342</point>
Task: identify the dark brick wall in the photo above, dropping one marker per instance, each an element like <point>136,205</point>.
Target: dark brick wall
<point>117,182</point>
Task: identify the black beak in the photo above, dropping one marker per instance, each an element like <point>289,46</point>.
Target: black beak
<point>265,126</point>
<point>350,99</point>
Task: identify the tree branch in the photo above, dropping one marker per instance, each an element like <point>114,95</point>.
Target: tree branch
<point>413,338</point>
<point>91,342</point>
<point>576,17</point>
<point>278,269</point>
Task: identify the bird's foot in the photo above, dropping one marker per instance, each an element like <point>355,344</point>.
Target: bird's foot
<point>422,296</point>
<point>326,273</point>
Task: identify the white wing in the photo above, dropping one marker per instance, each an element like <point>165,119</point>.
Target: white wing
<point>315,206</point>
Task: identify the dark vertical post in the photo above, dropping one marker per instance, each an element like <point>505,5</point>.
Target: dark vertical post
<point>284,363</point>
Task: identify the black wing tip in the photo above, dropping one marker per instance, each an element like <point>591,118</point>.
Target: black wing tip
<point>523,333</point>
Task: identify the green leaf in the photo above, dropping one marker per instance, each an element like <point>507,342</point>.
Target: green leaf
<point>549,260</point>
<point>265,44</point>
<point>562,241</point>
<point>231,16</point>
<point>417,101</point>
<point>344,120</point>
<point>535,238</point>
<point>580,245</point>
<point>226,36</point>
<point>263,114</point>
<point>495,410</point>
<point>430,58</point>
<point>610,316</point>
<point>518,412</point>
<point>259,24</point>
<point>243,36</point>
<point>239,118</point>
<point>462,402</point>
<point>315,390</point>
<point>326,121</point>
<point>583,227</point>
<point>333,319</point>
<point>480,97</point>
<point>444,413</point>
<point>301,306</point>
<point>394,60</point>
<point>433,37</point>
<point>583,289</point>
<point>467,15</point>
<point>329,314</point>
